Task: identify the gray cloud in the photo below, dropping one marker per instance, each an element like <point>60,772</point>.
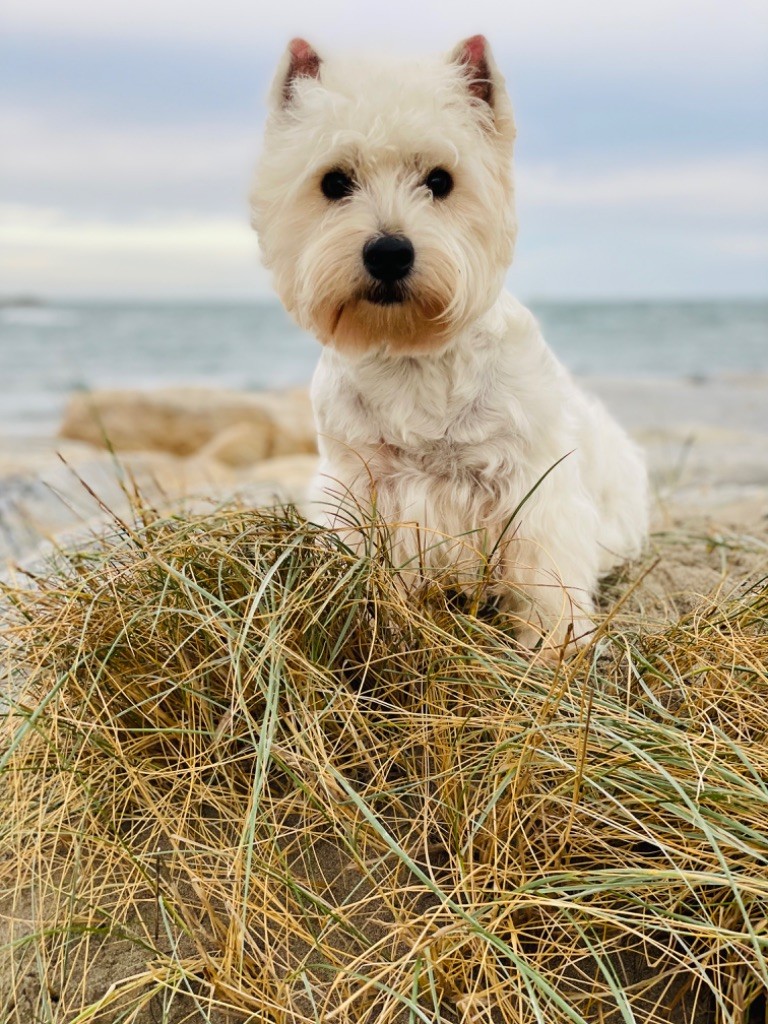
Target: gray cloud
<point>681,29</point>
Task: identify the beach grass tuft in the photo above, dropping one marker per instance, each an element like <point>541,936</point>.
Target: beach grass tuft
<point>246,776</point>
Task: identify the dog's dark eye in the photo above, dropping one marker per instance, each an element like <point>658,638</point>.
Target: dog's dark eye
<point>439,182</point>
<point>336,185</point>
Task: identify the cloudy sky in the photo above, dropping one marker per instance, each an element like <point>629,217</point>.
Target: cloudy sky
<point>130,128</point>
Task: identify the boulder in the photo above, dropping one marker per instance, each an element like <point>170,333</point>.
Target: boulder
<point>66,502</point>
<point>286,478</point>
<point>239,446</point>
<point>54,499</point>
<point>183,421</point>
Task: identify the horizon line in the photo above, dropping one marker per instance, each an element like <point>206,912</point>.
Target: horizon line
<point>29,299</point>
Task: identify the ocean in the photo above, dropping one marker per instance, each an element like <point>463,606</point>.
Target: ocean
<point>48,351</point>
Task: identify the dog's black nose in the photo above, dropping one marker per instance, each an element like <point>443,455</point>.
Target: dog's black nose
<point>388,258</point>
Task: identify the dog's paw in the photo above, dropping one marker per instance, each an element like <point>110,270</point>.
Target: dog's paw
<point>565,640</point>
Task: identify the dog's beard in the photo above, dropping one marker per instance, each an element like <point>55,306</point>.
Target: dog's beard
<point>395,318</point>
<point>384,294</point>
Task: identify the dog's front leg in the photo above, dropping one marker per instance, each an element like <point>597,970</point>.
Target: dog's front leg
<point>550,584</point>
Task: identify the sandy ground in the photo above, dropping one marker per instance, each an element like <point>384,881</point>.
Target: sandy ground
<point>706,441</point>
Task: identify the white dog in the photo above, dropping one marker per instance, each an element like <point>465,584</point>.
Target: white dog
<point>384,206</point>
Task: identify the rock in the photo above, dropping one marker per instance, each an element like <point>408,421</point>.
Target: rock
<point>240,445</point>
<point>284,479</point>
<point>55,499</point>
<point>182,421</point>
<point>292,420</point>
<point>54,493</point>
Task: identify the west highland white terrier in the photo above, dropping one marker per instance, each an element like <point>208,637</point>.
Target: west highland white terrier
<point>384,206</point>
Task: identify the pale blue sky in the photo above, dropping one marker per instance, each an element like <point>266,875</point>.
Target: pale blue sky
<point>130,131</point>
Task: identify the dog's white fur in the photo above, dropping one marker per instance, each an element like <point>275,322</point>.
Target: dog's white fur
<point>445,410</point>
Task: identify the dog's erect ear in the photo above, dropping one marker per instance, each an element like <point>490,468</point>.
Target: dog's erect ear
<point>485,82</point>
<point>300,61</point>
<point>473,55</point>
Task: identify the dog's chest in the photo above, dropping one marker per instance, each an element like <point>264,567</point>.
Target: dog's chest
<point>441,419</point>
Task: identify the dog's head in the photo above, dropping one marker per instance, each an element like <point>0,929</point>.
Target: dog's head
<point>383,200</point>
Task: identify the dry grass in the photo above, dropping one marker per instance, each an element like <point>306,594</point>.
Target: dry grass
<point>245,778</point>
